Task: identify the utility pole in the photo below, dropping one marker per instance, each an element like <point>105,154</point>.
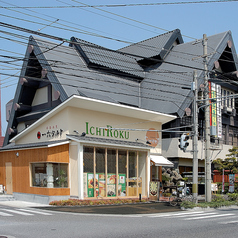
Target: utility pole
<point>207,125</point>
<point>195,138</point>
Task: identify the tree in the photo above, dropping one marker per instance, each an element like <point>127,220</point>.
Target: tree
<point>229,163</point>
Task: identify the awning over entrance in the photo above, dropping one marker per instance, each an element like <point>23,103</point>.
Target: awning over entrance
<point>159,160</point>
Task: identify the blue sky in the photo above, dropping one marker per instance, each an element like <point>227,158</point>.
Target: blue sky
<point>123,25</point>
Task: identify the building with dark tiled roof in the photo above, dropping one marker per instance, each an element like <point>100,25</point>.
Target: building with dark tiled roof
<point>85,112</point>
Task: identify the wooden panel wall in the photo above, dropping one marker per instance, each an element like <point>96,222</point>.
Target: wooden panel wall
<point>21,168</point>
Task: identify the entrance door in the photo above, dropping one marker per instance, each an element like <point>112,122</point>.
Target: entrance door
<point>9,178</point>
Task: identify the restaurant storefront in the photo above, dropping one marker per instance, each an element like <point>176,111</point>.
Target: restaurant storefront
<point>74,151</point>
<point>118,173</point>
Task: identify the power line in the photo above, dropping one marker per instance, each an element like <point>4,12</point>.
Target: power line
<point>67,27</point>
<point>75,43</point>
<point>147,95</point>
<point>123,5</point>
<point>69,41</point>
<point>147,78</point>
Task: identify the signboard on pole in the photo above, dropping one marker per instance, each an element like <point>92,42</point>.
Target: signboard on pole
<point>231,183</point>
<point>214,187</point>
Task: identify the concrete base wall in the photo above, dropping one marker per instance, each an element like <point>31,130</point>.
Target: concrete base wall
<point>38,198</point>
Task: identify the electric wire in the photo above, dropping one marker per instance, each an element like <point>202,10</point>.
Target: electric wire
<point>136,55</point>
<point>128,4</point>
<point>185,66</point>
<point>61,39</point>
<point>67,27</point>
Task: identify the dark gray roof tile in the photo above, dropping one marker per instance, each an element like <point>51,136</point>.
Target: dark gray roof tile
<point>96,140</point>
<point>111,59</point>
<point>13,146</point>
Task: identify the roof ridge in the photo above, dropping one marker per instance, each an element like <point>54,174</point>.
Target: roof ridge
<point>104,48</point>
<point>168,32</point>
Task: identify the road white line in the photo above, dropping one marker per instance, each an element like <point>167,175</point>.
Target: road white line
<point>18,212</point>
<point>205,217</point>
<point>36,212</point>
<point>176,214</point>
<point>228,222</point>
<point>5,214</point>
<point>194,215</point>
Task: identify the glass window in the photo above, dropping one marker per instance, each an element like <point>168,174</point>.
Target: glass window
<point>228,99</point>
<point>60,175</point>
<point>122,171</point>
<point>224,99</point>
<point>111,161</point>
<point>122,155</point>
<point>115,172</point>
<point>39,176</point>
<point>51,175</point>
<point>88,175</point>
<point>100,185</point>
<point>88,159</point>
<point>231,101</point>
<point>111,173</point>
<point>100,160</point>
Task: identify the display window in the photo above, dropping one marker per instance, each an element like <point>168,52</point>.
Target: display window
<point>53,175</point>
<point>117,173</point>
<point>39,175</point>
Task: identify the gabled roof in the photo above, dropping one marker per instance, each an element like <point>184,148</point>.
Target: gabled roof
<point>95,72</point>
<point>172,79</point>
<point>71,75</point>
<point>156,46</point>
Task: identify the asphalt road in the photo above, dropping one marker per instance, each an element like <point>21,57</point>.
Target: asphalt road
<point>29,222</point>
<point>137,208</point>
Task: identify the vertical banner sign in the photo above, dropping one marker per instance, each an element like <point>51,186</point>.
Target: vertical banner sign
<point>219,117</point>
<point>213,111</point>
<point>210,107</point>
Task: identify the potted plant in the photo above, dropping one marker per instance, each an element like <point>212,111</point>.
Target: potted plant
<point>62,179</point>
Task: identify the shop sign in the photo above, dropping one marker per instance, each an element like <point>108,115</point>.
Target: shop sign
<point>52,132</point>
<point>231,183</point>
<point>106,132</point>
<point>152,136</point>
<point>154,188</point>
<point>214,187</point>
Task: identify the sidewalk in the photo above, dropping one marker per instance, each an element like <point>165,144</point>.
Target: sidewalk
<point>9,200</point>
<point>161,206</point>
<point>137,208</point>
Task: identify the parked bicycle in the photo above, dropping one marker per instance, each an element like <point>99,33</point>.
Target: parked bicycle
<point>182,194</point>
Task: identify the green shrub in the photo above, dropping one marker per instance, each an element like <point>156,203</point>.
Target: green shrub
<point>188,204</point>
<point>93,202</point>
<point>218,198</point>
<point>203,205</point>
<point>232,196</point>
